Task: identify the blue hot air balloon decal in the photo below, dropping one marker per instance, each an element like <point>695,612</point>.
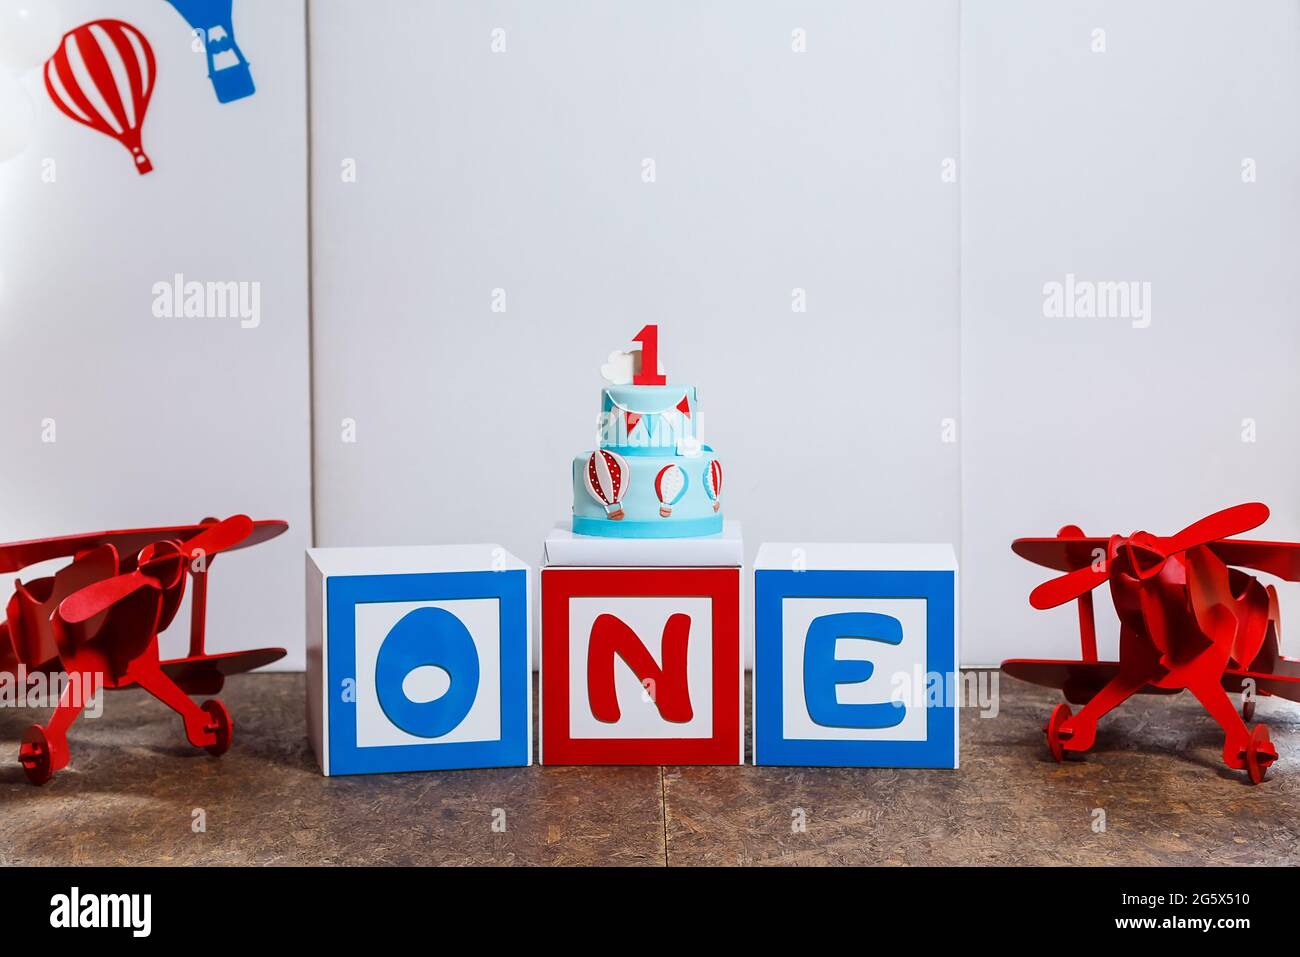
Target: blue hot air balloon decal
<point>227,66</point>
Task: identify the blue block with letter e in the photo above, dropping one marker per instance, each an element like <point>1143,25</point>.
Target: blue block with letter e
<point>418,659</point>
<point>855,656</point>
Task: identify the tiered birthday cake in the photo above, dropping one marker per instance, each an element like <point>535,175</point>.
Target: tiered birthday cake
<point>650,476</point>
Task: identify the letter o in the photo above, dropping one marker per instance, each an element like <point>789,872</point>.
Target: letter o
<point>427,636</point>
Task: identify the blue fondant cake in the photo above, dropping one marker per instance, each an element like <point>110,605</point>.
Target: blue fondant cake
<point>650,476</point>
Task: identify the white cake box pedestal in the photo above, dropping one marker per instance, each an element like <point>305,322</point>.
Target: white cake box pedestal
<point>641,650</point>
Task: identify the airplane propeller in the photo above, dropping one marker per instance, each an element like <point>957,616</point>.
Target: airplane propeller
<point>85,604</point>
<point>1146,553</point>
<point>159,565</point>
<point>227,534</point>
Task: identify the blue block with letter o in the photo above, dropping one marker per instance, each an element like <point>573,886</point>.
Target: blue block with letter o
<point>418,659</point>
<point>855,656</point>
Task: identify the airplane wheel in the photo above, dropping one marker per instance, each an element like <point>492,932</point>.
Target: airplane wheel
<point>221,724</point>
<point>1055,742</point>
<point>1248,710</point>
<point>1260,753</point>
<point>34,755</point>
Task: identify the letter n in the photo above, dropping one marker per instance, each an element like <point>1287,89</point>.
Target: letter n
<point>611,636</point>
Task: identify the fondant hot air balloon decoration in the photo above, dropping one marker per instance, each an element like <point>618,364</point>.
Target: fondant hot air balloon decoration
<point>102,76</point>
<point>670,486</point>
<point>607,477</point>
<point>713,482</point>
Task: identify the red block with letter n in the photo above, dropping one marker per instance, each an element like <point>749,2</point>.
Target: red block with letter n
<point>641,666</point>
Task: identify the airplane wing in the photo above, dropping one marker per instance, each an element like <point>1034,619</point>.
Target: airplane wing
<point>1085,678</point>
<point>16,556</point>
<point>1283,686</point>
<point>1063,554</point>
<point>205,674</point>
<point>1276,558</point>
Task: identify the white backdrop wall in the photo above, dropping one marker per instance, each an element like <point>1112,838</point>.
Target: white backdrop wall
<point>443,171</point>
<point>1132,164</point>
<point>156,420</point>
<point>471,154</point>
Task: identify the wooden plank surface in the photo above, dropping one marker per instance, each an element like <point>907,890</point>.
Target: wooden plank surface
<point>1156,773</point>
<point>134,787</point>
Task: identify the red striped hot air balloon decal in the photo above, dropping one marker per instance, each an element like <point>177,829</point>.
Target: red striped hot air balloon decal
<point>607,478</point>
<point>713,482</point>
<point>102,76</point>
<point>670,486</point>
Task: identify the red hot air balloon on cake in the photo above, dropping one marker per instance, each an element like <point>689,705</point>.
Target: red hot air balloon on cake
<point>670,486</point>
<point>102,76</point>
<point>713,482</point>
<point>607,477</point>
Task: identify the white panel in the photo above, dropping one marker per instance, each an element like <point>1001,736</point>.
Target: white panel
<point>162,421</point>
<point>482,619</point>
<point>868,556</point>
<point>1123,165</point>
<point>725,548</point>
<point>899,673</point>
<point>413,560</point>
<point>639,716</point>
<point>317,695</point>
<point>522,171</point>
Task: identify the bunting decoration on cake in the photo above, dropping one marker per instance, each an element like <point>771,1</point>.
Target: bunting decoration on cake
<point>670,486</point>
<point>673,416</point>
<point>607,477</point>
<point>713,482</point>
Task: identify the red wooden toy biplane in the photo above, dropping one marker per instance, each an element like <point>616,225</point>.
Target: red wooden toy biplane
<point>98,619</point>
<point>1187,621</point>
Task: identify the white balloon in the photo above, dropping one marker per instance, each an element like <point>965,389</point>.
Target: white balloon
<point>15,118</point>
<point>29,33</point>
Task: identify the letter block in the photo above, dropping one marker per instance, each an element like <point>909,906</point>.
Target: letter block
<point>418,659</point>
<point>855,656</point>
<point>639,664</point>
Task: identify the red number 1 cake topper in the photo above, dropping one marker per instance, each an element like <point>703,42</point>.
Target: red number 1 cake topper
<point>649,374</point>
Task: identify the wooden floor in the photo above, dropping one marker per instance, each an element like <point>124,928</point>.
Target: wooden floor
<point>134,793</point>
